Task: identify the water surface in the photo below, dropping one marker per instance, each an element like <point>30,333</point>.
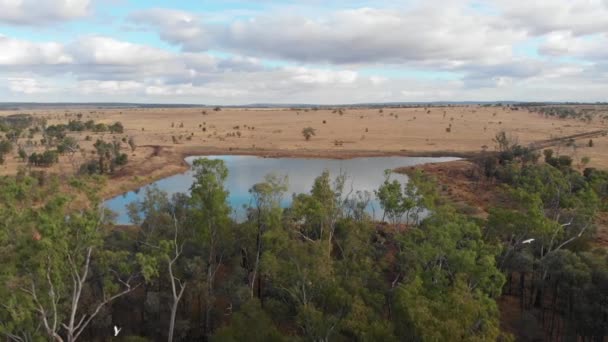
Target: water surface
<point>364,174</point>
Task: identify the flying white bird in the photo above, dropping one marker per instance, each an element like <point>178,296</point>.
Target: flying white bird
<point>527,241</point>
<point>116,331</point>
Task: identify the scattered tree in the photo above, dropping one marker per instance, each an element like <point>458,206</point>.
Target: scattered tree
<point>308,133</point>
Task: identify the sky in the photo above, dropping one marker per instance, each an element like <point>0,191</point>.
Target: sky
<point>303,51</point>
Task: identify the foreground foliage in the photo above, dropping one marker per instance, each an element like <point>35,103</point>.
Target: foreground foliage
<point>318,270</point>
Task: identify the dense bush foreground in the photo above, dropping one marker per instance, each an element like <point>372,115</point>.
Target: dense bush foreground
<point>319,270</point>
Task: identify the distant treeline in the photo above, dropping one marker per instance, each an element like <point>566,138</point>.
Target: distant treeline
<point>101,105</point>
<point>12,106</point>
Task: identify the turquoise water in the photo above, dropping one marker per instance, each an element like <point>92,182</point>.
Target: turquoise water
<point>364,174</point>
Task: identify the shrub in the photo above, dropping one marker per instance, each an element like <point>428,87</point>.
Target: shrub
<point>308,132</point>
<point>45,159</point>
<point>90,168</point>
<point>22,154</point>
<point>5,146</point>
<point>100,128</point>
<point>121,159</point>
<point>117,127</point>
<point>76,126</point>
<point>67,144</point>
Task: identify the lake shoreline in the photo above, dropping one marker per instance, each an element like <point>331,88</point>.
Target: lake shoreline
<point>171,160</point>
<point>364,174</point>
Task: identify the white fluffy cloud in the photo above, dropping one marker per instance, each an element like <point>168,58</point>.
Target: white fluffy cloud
<point>177,27</point>
<point>27,86</point>
<point>21,52</point>
<point>308,76</point>
<point>561,44</point>
<point>300,52</point>
<point>106,67</point>
<point>447,34</point>
<point>579,17</point>
<point>109,51</point>
<point>40,12</point>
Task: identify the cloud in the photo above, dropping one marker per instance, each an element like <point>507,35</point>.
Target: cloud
<point>540,17</point>
<point>21,52</point>
<point>566,44</point>
<point>110,51</point>
<point>446,34</point>
<point>94,87</point>
<point>27,86</point>
<point>502,74</point>
<point>490,46</point>
<point>177,27</point>
<point>101,58</point>
<point>103,66</point>
<point>301,52</point>
<point>308,76</point>
<point>42,12</point>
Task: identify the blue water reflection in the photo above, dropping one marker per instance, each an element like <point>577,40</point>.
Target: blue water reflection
<point>364,174</point>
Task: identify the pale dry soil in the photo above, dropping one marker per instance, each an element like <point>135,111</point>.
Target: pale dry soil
<point>165,135</point>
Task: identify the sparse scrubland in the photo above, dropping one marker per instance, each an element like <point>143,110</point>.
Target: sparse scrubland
<point>164,136</point>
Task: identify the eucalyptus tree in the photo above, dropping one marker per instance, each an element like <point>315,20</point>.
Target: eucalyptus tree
<point>355,205</point>
<point>164,232</point>
<point>266,213</point>
<point>327,293</point>
<point>301,275</point>
<point>556,208</point>
<point>451,282</point>
<point>319,211</point>
<point>251,323</point>
<point>18,320</point>
<point>62,275</point>
<point>109,156</point>
<point>210,214</point>
<point>396,200</point>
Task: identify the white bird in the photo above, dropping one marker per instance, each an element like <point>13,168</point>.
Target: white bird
<point>527,241</point>
<point>116,331</point>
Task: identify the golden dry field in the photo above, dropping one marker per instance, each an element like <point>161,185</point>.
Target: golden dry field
<point>165,135</point>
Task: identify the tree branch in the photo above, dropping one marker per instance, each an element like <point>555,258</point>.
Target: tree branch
<point>101,305</point>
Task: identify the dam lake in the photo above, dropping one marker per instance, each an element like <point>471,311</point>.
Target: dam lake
<point>363,174</point>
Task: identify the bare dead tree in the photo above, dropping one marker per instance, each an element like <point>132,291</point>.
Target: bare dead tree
<point>177,286</point>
